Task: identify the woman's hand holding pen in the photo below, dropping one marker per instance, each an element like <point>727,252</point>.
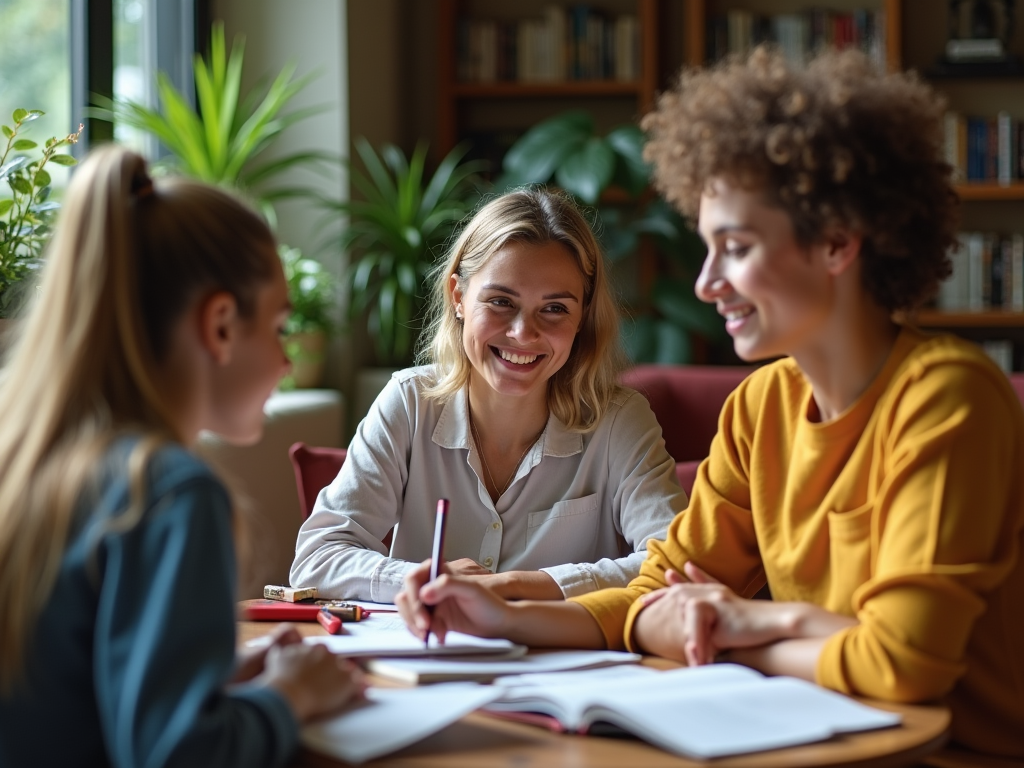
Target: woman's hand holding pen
<point>461,604</point>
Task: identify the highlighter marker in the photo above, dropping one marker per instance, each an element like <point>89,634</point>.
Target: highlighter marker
<point>329,621</point>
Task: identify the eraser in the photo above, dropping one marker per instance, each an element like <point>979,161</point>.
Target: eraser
<point>288,594</point>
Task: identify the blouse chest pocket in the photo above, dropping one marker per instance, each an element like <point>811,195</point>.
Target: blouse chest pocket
<point>849,555</point>
<point>566,531</point>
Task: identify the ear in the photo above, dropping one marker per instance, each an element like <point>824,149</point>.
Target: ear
<point>456,293</point>
<point>218,325</point>
<point>841,250</point>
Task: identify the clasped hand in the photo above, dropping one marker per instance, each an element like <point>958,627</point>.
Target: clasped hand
<point>696,618</point>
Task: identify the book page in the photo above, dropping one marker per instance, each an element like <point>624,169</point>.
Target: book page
<point>392,718</point>
<point>391,638</point>
<point>733,716</point>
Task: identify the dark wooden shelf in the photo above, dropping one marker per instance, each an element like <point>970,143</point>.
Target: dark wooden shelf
<point>504,90</point>
<point>990,190</point>
<point>933,318</point>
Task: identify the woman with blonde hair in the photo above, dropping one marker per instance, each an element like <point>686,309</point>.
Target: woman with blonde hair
<point>159,314</point>
<point>871,475</point>
<point>556,476</point>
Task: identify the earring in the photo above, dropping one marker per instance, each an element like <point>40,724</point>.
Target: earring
<point>458,314</point>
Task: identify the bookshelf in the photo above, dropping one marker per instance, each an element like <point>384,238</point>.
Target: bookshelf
<point>465,105</point>
<point>675,32</point>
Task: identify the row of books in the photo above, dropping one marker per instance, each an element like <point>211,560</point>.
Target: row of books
<point>988,273</point>
<point>568,43</point>
<point>798,35</point>
<point>984,148</point>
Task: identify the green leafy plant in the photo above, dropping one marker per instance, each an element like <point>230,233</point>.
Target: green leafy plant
<point>394,234</point>
<point>219,141</point>
<point>26,216</point>
<point>311,289</point>
<point>609,173</point>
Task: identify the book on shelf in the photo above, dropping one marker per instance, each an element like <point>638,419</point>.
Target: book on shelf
<point>988,273</point>
<point>700,712</point>
<point>798,35</point>
<point>566,43</point>
<point>984,148</point>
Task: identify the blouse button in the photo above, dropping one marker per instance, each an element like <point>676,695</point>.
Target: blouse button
<point>489,562</point>
<point>495,526</point>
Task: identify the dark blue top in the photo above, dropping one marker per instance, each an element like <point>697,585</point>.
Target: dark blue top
<point>128,661</point>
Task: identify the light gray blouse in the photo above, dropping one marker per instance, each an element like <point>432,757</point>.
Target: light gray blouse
<point>581,506</point>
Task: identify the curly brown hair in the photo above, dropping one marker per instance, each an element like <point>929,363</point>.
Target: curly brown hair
<point>836,143</point>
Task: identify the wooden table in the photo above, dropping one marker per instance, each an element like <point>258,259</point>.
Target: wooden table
<point>481,741</point>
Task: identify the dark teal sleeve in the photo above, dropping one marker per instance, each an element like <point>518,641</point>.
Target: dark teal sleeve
<point>164,644</point>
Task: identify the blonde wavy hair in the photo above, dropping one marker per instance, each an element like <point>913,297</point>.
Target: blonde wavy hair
<point>128,257</point>
<point>580,391</point>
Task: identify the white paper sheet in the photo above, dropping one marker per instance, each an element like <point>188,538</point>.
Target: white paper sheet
<point>393,718</point>
<point>473,668</point>
<point>370,638</point>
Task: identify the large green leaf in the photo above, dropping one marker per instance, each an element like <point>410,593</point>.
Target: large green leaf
<point>546,146</point>
<point>586,172</point>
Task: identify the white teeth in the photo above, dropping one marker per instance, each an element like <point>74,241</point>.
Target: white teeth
<point>516,359</point>
<point>738,313</point>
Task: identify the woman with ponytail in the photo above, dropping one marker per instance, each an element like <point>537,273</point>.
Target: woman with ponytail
<point>159,315</point>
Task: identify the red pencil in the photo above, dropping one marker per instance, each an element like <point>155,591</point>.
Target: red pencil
<point>329,621</point>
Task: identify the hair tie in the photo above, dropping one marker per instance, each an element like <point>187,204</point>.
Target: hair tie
<point>142,186</point>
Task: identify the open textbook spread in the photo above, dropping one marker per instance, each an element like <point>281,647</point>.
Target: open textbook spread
<point>702,712</point>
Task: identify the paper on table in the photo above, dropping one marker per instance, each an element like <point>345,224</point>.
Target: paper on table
<point>370,638</point>
<point>439,670</point>
<point>393,718</point>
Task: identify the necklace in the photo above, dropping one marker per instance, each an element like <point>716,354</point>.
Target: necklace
<point>487,470</point>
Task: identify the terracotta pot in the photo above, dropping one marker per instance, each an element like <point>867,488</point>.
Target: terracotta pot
<point>307,353</point>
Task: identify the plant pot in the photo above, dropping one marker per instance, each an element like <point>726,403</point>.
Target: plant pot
<point>307,352</point>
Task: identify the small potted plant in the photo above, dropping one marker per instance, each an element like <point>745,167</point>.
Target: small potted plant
<point>311,290</point>
<point>25,216</point>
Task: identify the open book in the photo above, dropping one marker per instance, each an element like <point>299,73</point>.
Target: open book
<point>702,712</point>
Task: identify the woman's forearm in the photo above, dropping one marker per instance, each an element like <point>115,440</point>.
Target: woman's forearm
<point>553,624</point>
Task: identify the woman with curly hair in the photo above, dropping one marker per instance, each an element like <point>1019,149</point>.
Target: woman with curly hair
<point>871,477</point>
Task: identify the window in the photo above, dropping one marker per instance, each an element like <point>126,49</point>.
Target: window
<point>35,66</point>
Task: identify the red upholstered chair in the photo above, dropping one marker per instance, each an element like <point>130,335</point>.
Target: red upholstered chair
<point>315,469</point>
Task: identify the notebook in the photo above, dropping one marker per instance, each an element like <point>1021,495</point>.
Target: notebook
<point>386,635</point>
<point>432,670</point>
<point>703,712</point>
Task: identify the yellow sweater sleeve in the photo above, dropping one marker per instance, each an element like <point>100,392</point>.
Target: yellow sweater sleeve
<point>944,535</point>
<point>715,531</point>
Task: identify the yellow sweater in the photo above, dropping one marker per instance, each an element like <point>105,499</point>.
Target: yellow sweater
<point>906,512</point>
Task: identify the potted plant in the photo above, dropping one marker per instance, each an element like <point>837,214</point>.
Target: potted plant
<point>25,216</point>
<point>311,289</point>
<point>567,150</point>
<point>219,141</point>
<point>393,236</point>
